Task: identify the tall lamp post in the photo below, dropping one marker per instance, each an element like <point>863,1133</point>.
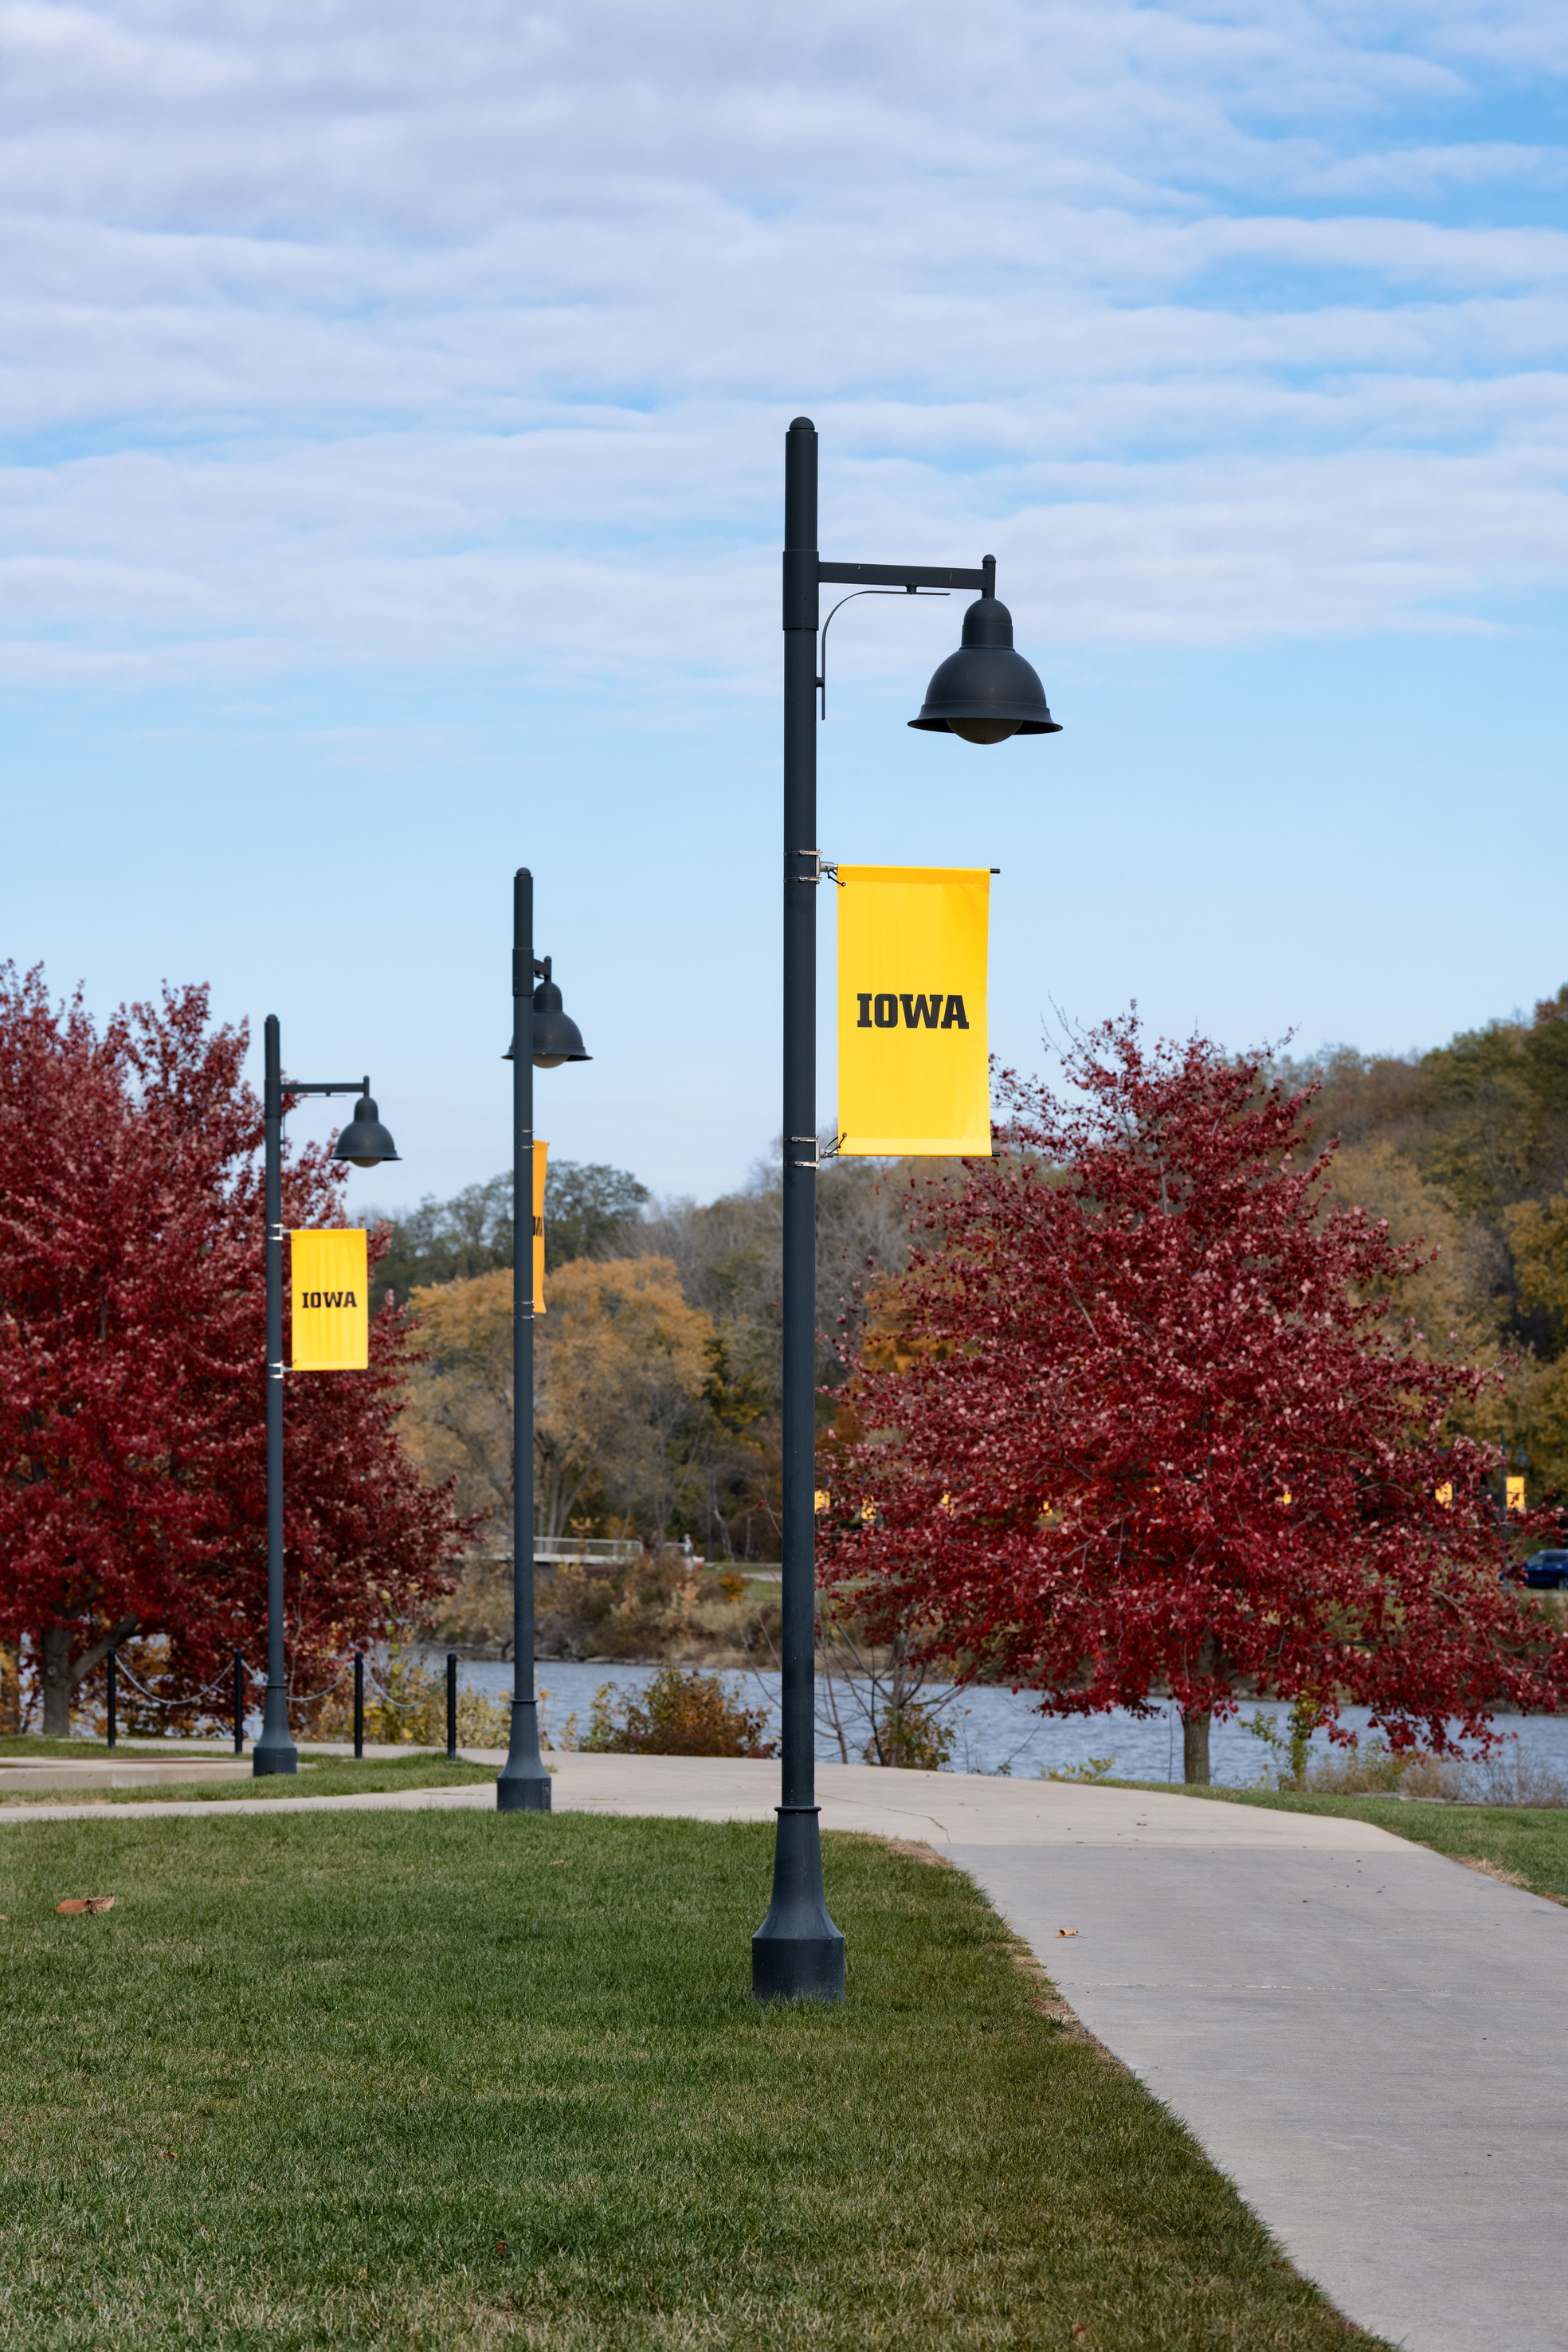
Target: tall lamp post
<point>549,1037</point>
<point>985,692</point>
<point>367,1144</point>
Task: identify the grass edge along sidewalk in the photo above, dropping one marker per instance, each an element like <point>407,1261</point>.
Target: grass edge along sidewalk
<point>457,2080</point>
<point>327,1776</point>
<point>1524,1845</point>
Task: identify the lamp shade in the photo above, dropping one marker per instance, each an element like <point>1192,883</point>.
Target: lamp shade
<point>986,691</point>
<point>556,1036</point>
<point>365,1141</point>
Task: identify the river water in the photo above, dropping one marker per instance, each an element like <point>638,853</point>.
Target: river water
<point>1000,1731</point>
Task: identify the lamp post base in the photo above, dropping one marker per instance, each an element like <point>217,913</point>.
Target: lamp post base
<point>797,1953</point>
<point>525,1784</point>
<point>274,1751</point>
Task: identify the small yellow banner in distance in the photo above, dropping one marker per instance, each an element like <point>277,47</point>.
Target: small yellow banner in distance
<point>913,1059</point>
<point>1516,1494</point>
<point>541,1152</point>
<point>330,1299</point>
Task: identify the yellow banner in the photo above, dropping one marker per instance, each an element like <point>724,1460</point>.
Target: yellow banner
<point>331,1300</point>
<point>914,1064</point>
<point>540,1152</point>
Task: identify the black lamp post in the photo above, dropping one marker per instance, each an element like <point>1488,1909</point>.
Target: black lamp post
<point>985,692</point>
<point>538,1017</point>
<point>367,1143</point>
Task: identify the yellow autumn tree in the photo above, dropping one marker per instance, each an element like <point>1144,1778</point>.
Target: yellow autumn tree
<point>620,1360</point>
<point>456,1421</point>
<point>1449,1300</point>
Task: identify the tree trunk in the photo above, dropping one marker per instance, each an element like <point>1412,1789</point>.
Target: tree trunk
<point>59,1673</point>
<point>10,1690</point>
<point>53,1650</point>
<point>1196,1723</point>
<point>1195,1748</point>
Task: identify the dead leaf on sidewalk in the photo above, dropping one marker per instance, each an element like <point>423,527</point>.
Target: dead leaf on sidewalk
<point>1066,1931</point>
<point>86,1903</point>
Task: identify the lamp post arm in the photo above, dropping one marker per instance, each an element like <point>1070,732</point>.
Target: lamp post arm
<point>905,575</point>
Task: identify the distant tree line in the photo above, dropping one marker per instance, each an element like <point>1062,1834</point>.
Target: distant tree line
<point>586,1207</point>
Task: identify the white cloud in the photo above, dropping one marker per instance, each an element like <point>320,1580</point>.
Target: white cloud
<point>340,333</point>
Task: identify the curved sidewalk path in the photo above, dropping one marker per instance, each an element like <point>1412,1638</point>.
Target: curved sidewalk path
<point>1371,2040</point>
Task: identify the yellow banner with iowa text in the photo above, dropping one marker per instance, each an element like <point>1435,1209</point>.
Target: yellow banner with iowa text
<point>331,1300</point>
<point>540,1153</point>
<point>913,1063</point>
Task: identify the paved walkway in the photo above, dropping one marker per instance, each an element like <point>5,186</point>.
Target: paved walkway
<point>1371,2040</point>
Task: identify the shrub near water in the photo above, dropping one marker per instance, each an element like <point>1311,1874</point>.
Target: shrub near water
<point>1505,1774</point>
<point>677,1715</point>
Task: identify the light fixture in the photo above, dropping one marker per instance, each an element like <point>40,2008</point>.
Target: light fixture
<point>986,691</point>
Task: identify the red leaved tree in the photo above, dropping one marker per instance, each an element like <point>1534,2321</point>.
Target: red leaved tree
<point>133,1444</point>
<point>1141,1417</point>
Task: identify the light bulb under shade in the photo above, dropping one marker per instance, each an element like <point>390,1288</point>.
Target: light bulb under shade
<point>983,730</point>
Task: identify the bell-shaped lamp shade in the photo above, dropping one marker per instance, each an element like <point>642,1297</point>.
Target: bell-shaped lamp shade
<point>365,1141</point>
<point>556,1036</point>
<point>985,691</point>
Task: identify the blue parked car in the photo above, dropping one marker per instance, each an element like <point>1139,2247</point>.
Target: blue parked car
<point>1546,1571</point>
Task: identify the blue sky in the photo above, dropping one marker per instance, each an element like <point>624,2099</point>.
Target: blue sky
<point>391,402</point>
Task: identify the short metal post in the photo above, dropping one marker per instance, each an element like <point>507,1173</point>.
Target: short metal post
<point>113,1678</point>
<point>359,1703</point>
<point>451,1706</point>
<point>238,1704</point>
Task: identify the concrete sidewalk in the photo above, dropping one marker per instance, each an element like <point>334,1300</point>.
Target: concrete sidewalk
<point>1369,2039</point>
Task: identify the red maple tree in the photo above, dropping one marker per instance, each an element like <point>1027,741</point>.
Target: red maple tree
<point>1141,1417</point>
<point>132,1443</point>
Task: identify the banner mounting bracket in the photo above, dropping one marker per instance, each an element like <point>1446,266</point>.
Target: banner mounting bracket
<point>821,866</point>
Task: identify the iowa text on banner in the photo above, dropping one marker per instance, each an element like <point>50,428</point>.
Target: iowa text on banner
<point>540,1151</point>
<point>331,1300</point>
<point>913,1066</point>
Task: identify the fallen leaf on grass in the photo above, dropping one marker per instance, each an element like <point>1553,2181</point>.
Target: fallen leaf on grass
<point>1066,1931</point>
<point>501,2245</point>
<point>86,1903</point>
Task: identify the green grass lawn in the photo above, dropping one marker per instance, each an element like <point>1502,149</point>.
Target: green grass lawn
<point>1527,1843</point>
<point>464,2079</point>
<point>35,1743</point>
<point>332,1776</point>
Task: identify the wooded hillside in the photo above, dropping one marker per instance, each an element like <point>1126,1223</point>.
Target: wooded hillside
<point>1466,1146</point>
